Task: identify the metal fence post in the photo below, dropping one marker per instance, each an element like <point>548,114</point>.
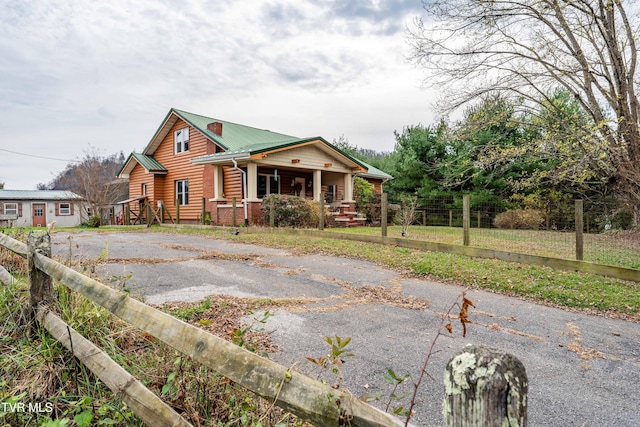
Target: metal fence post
<point>579,230</point>
<point>485,387</point>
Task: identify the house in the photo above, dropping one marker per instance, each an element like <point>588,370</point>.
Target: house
<point>202,164</point>
<point>37,208</point>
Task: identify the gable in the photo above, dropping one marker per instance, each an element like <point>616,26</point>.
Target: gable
<point>309,156</point>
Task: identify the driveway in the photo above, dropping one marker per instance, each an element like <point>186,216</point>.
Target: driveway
<point>583,370</point>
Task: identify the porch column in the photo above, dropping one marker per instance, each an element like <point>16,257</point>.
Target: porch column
<point>317,184</point>
<point>217,182</point>
<point>348,188</point>
<point>252,182</point>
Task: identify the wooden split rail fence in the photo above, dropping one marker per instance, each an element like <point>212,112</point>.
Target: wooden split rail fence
<point>483,387</point>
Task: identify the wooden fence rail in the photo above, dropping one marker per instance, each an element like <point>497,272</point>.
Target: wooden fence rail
<point>307,398</point>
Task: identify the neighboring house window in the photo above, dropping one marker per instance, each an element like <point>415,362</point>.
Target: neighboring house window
<point>65,209</point>
<point>144,189</point>
<point>267,184</point>
<point>11,209</point>
<point>182,192</point>
<point>181,138</point>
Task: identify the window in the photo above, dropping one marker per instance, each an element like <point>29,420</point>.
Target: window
<point>182,192</point>
<point>267,184</point>
<point>65,209</point>
<point>144,189</point>
<point>11,209</point>
<point>181,138</point>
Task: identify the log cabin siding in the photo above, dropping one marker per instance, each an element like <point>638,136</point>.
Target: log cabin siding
<point>180,168</point>
<point>232,183</point>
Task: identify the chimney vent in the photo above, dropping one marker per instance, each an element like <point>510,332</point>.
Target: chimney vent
<point>215,127</point>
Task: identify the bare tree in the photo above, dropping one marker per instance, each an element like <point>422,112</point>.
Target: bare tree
<point>526,49</point>
<point>94,178</point>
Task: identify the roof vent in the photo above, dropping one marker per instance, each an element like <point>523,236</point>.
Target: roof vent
<point>215,127</point>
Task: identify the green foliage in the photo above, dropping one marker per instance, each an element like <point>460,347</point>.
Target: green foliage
<point>519,219</point>
<point>239,335</point>
<point>290,211</point>
<point>367,200</point>
<point>334,360</point>
<point>94,221</point>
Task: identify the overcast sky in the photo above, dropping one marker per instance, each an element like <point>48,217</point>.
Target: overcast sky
<point>77,74</point>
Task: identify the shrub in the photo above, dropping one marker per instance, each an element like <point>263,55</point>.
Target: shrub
<point>94,221</point>
<point>522,219</point>
<point>290,211</point>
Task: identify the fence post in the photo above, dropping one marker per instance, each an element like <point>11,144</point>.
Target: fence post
<point>383,213</point>
<point>485,387</point>
<point>233,212</point>
<point>40,283</point>
<point>149,218</point>
<point>177,211</point>
<point>424,218</point>
<point>450,217</point>
<point>204,210</point>
<point>321,219</point>
<point>479,219</point>
<point>579,231</point>
<point>272,212</point>
<point>127,214</point>
<point>466,220</point>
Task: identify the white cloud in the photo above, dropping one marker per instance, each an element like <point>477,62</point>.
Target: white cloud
<point>76,73</point>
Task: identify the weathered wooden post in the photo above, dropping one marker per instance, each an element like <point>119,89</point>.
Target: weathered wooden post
<point>272,212</point>
<point>321,216</point>
<point>383,212</point>
<point>466,220</point>
<point>450,217</point>
<point>204,210</point>
<point>233,212</point>
<point>148,210</point>
<point>177,211</point>
<point>485,387</point>
<point>579,230</point>
<point>127,215</point>
<point>40,284</point>
<point>479,219</point>
<point>424,218</point>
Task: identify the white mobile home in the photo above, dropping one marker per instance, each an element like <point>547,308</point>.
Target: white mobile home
<point>37,208</point>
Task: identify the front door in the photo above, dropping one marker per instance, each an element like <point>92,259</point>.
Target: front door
<point>38,211</point>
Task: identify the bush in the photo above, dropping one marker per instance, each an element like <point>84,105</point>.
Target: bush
<point>290,211</point>
<point>521,219</point>
<point>94,221</point>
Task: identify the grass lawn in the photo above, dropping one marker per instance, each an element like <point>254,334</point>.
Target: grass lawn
<point>564,289</point>
<point>608,249</point>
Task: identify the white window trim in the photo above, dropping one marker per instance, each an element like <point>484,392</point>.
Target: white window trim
<point>67,210</point>
<point>181,195</point>
<point>10,211</point>
<point>181,141</point>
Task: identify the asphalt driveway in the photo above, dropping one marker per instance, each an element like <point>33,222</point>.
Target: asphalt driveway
<point>583,370</point>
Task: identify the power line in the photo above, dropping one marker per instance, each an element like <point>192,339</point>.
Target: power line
<point>38,157</point>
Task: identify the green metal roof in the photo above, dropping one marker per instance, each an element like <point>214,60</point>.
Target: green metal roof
<point>38,195</point>
<point>236,140</point>
<point>375,172</point>
<point>149,163</point>
<point>237,137</point>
